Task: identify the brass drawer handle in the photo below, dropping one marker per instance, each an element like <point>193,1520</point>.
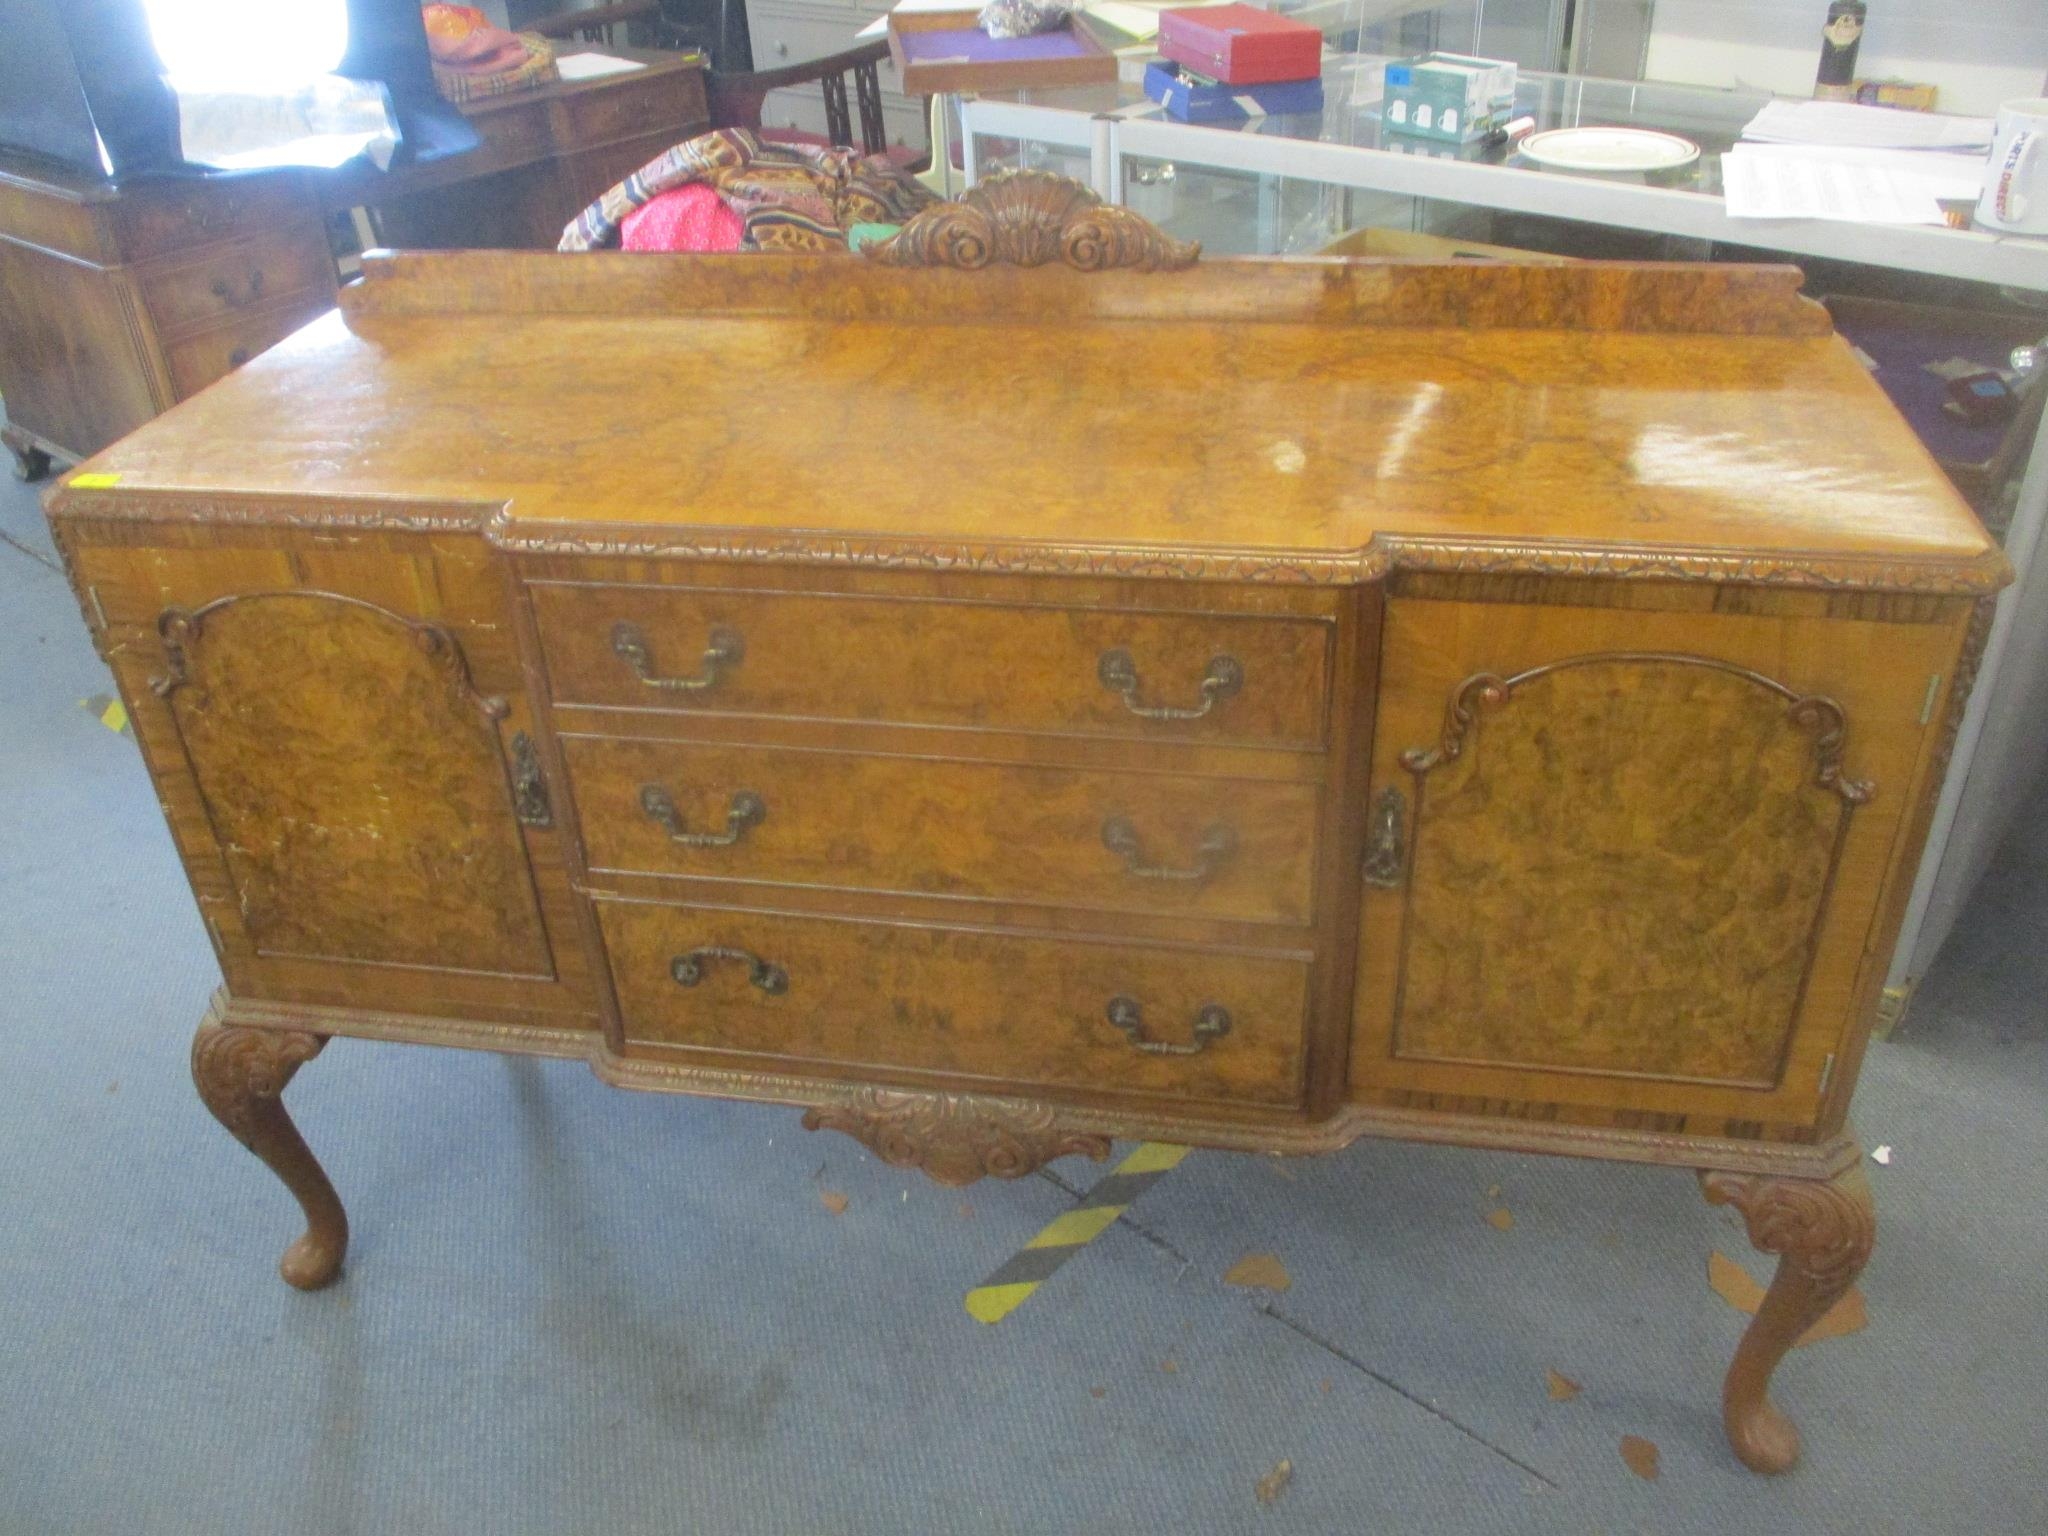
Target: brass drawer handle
<point>688,968</point>
<point>1119,674</point>
<point>746,810</point>
<point>1212,1023</point>
<point>1386,845</point>
<point>1120,837</point>
<point>725,651</point>
<point>224,291</point>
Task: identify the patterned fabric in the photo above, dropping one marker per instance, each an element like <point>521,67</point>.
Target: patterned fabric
<point>789,197</point>
<point>537,68</point>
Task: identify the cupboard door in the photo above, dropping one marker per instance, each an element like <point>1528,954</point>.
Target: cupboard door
<point>337,727</point>
<point>1630,859</point>
<point>355,784</point>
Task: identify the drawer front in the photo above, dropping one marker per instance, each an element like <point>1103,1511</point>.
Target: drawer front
<point>214,353</point>
<point>248,277</point>
<point>1126,842</point>
<point>626,109</point>
<point>1097,672</point>
<point>997,1006</point>
<point>172,215</point>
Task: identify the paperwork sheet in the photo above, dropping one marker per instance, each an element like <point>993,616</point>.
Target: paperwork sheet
<point>593,66</point>
<point>1865,186</point>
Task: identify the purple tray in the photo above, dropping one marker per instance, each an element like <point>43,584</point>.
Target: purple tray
<point>975,46</point>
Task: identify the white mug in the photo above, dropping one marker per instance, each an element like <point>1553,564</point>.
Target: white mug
<point>2016,188</point>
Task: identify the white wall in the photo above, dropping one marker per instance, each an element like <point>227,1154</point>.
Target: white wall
<point>1980,52</point>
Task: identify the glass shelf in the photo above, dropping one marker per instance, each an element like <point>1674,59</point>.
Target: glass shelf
<point>1264,173</point>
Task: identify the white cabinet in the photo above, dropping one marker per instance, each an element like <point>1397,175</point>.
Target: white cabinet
<point>786,32</point>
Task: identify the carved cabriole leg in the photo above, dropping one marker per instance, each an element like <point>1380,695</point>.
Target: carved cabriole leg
<point>955,1138</point>
<point>241,1075</point>
<point>1822,1231</point>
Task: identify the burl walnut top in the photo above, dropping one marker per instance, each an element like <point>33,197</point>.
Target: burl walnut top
<point>1310,420</point>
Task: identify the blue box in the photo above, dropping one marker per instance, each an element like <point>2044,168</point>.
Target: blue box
<point>1202,102</point>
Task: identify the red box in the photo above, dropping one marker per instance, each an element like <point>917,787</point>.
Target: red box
<point>1241,44</point>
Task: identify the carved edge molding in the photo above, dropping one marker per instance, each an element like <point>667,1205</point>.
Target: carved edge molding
<point>1815,570</point>
<point>1027,219</point>
<point>1819,1160</point>
<point>181,628</point>
<point>1821,570</point>
<point>567,1042</point>
<point>956,1138</point>
<point>115,505</point>
<point>1814,713</point>
<point>1968,664</point>
<point>1381,558</point>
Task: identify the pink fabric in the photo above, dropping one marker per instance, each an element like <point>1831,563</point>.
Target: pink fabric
<point>686,218</point>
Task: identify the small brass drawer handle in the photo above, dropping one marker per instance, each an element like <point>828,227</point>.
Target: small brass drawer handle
<point>1119,674</point>
<point>1212,1023</point>
<point>1120,837</point>
<point>1386,844</point>
<point>726,650</point>
<point>224,291</point>
<point>688,968</point>
<point>746,810</point>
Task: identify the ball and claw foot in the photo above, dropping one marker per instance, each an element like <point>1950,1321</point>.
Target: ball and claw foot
<point>241,1075</point>
<point>1822,1231</point>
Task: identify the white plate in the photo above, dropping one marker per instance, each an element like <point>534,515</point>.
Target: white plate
<point>1613,150</point>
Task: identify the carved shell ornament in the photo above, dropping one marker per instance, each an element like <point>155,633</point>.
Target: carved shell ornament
<point>955,1138</point>
<point>1028,219</point>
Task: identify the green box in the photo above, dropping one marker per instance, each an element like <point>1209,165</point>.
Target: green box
<point>1448,97</point>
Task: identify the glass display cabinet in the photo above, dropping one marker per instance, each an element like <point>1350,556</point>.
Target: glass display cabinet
<point>1287,184</point>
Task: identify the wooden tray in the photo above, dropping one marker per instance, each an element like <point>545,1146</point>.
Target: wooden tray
<point>994,64</point>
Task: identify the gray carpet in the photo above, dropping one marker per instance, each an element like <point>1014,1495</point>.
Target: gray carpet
<point>570,1309</point>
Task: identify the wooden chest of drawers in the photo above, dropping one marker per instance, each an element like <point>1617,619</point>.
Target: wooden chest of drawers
<point>1351,709</point>
<point>117,303</point>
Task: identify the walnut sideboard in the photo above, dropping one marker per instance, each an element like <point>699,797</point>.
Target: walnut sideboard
<point>1022,686</point>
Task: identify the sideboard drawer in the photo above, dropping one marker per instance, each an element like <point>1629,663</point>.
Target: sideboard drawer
<point>1214,677</point>
<point>1006,1008</point>
<point>1124,842</point>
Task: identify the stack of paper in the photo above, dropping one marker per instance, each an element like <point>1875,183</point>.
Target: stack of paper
<point>1847,125</point>
<point>1865,165</point>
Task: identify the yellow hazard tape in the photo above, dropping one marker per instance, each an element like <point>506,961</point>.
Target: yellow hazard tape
<point>1066,1234</point>
<point>94,480</point>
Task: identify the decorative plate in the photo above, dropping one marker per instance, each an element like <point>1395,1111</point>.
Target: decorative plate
<point>1611,150</point>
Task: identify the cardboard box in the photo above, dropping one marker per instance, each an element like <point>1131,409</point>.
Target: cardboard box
<point>1448,96</point>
